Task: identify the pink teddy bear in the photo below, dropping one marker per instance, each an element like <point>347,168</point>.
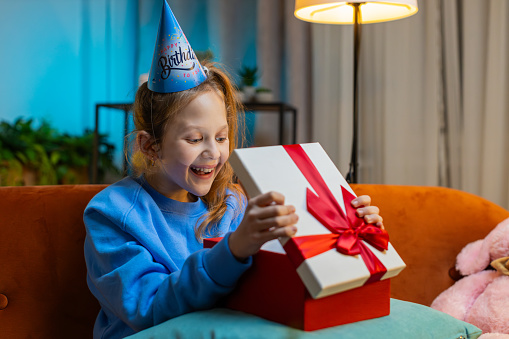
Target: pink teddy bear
<point>482,296</point>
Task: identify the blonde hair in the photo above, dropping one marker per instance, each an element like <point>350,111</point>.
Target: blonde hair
<point>154,111</point>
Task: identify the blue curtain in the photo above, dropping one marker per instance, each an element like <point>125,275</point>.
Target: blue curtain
<point>61,57</point>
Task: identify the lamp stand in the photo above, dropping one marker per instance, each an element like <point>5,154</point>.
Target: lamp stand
<point>351,177</point>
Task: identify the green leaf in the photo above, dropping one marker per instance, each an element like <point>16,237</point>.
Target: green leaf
<point>54,157</point>
<point>22,157</point>
<point>30,154</point>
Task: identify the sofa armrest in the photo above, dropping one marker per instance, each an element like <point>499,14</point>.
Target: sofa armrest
<point>429,226</point>
<point>43,273</point>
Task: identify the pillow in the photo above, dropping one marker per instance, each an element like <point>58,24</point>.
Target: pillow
<point>407,320</point>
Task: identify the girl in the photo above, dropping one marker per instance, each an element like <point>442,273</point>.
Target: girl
<point>143,246</point>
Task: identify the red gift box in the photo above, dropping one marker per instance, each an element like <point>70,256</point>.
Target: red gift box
<point>333,250</point>
<point>273,290</point>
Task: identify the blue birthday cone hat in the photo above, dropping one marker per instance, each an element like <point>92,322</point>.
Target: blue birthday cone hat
<point>175,67</point>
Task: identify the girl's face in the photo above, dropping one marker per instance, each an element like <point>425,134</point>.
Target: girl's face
<point>194,149</point>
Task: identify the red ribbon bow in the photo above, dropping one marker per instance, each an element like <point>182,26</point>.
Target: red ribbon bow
<point>347,231</point>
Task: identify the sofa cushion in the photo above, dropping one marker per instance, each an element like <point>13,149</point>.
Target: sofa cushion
<point>407,320</point>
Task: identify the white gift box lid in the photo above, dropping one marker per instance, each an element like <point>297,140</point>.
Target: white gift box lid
<point>270,168</point>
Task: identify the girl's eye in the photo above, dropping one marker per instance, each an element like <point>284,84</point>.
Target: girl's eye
<point>221,139</point>
<point>194,141</point>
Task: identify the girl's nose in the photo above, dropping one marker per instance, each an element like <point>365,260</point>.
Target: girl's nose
<point>212,150</point>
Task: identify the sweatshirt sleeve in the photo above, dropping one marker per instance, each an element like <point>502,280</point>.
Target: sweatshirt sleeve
<point>131,285</point>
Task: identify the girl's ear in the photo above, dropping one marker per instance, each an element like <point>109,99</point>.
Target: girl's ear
<point>147,145</point>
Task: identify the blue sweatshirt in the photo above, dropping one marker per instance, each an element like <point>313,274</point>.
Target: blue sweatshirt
<point>144,262</point>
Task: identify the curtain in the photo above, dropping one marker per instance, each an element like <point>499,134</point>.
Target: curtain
<point>485,152</point>
<point>433,87</point>
<point>64,57</point>
<point>225,27</point>
<point>284,62</point>
<point>433,91</point>
<point>399,98</point>
<point>59,58</point>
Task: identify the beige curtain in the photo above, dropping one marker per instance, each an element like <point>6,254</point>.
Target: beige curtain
<point>485,153</point>
<point>400,99</point>
<point>284,61</point>
<point>433,91</point>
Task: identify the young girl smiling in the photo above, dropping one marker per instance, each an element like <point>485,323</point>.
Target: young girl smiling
<point>143,247</point>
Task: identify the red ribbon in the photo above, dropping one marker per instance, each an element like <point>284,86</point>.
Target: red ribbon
<point>347,231</point>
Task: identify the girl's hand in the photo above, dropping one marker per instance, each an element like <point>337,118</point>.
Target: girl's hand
<point>266,218</point>
<point>371,214</point>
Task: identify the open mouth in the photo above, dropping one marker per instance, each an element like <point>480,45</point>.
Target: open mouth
<point>202,171</point>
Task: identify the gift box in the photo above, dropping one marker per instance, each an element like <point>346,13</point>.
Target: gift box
<point>273,290</point>
<point>333,250</point>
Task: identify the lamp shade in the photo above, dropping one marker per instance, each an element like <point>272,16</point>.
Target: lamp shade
<point>340,12</point>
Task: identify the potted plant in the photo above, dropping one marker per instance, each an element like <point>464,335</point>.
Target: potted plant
<point>248,77</point>
<point>74,154</point>
<point>32,155</point>
<point>11,169</point>
<point>264,94</point>
<point>23,144</point>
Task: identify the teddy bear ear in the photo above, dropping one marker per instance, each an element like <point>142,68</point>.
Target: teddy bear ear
<point>499,240</point>
<point>473,258</point>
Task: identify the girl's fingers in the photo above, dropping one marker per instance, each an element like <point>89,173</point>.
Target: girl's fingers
<point>363,200</point>
<point>277,232</point>
<point>269,198</point>
<point>363,211</point>
<point>272,211</point>
<point>373,219</point>
<point>370,214</point>
<point>287,231</point>
<point>277,222</point>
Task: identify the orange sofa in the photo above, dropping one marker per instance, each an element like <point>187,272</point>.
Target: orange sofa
<point>43,292</point>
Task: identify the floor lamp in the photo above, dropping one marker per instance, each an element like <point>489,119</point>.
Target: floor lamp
<point>354,12</point>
